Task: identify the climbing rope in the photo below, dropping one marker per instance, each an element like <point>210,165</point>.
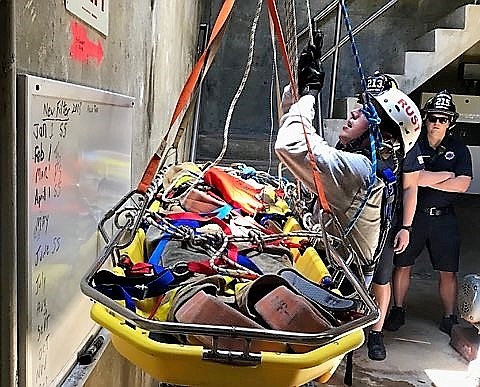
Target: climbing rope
<point>272,91</point>
<point>242,84</point>
<point>291,35</point>
<point>309,17</point>
<point>193,183</point>
<point>370,113</point>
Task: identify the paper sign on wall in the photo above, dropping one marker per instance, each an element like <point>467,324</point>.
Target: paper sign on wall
<point>92,12</point>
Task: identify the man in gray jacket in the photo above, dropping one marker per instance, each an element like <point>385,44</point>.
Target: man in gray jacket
<point>345,170</point>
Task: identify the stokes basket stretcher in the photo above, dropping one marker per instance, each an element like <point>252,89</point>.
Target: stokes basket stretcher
<point>142,296</point>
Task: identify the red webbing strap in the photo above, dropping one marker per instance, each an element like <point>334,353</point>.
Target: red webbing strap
<point>201,67</point>
<point>272,8</point>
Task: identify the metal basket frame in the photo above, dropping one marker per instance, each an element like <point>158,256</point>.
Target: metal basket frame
<point>132,216</point>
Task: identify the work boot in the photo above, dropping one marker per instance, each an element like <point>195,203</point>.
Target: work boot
<point>376,348</point>
<point>395,319</point>
<point>447,323</point>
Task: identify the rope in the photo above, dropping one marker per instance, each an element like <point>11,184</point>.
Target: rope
<point>316,174</point>
<point>233,102</point>
<point>291,35</point>
<point>186,96</point>
<point>242,85</point>
<point>272,90</point>
<point>370,114</point>
<point>309,16</point>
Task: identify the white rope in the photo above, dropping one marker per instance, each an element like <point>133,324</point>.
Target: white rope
<point>274,81</point>
<point>310,26</point>
<point>272,84</point>
<point>232,104</point>
<point>291,35</point>
<point>242,84</point>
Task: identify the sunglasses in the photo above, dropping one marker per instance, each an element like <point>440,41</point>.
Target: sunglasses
<point>434,119</point>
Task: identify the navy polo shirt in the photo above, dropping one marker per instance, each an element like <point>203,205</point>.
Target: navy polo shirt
<point>451,155</point>
<point>413,161</point>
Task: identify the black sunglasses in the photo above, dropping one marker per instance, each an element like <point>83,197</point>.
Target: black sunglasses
<point>434,119</point>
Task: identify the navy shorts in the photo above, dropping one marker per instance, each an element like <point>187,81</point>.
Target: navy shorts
<point>384,267</point>
<point>441,237</point>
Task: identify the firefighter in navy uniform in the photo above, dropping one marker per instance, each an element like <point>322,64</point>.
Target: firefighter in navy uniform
<point>448,171</point>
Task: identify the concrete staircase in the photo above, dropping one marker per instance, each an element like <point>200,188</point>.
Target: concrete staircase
<point>439,47</point>
<point>452,36</point>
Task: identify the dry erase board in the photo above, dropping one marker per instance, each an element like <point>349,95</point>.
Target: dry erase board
<point>74,163</point>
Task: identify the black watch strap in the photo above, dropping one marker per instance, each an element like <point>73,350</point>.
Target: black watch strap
<point>408,228</point>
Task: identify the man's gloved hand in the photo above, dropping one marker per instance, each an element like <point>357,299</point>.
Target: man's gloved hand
<point>310,76</point>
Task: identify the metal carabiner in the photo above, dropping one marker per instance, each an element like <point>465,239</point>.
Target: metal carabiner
<point>180,270</point>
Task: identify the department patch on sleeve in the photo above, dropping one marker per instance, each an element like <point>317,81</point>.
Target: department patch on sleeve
<point>449,155</point>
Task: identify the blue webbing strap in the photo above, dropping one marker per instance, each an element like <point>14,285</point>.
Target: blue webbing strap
<point>128,293</point>
<point>156,256</point>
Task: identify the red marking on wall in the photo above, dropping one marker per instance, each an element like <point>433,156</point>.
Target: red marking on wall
<point>82,48</point>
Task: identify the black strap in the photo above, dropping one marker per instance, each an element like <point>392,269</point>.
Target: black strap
<point>348,379</point>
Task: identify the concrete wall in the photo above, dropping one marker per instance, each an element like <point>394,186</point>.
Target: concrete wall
<point>381,46</point>
<point>149,51</point>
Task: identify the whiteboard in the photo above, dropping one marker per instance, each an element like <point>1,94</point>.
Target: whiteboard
<point>74,163</point>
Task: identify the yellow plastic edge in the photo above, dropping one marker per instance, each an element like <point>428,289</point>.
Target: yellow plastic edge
<point>166,361</point>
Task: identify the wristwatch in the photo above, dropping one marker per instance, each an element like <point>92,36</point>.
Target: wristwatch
<point>408,228</point>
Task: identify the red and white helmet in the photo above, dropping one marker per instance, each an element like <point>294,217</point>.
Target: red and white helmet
<point>403,111</point>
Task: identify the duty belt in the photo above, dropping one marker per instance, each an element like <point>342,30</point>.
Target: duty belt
<point>438,211</point>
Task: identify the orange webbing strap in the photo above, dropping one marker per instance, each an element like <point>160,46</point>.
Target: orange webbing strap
<point>272,8</point>
<point>200,68</point>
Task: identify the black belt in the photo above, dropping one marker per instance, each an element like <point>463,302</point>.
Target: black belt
<point>438,211</point>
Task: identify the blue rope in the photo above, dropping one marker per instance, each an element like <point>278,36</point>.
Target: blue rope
<point>372,116</point>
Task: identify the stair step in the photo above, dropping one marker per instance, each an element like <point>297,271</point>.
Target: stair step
<point>444,45</point>
<point>455,19</point>
<point>424,43</point>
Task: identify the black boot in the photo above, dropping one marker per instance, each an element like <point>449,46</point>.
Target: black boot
<point>447,323</point>
<point>395,319</point>
<point>376,348</point>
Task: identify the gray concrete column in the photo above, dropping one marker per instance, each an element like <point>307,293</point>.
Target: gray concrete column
<point>8,236</point>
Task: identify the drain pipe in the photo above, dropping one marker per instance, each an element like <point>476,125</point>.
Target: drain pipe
<point>8,200</point>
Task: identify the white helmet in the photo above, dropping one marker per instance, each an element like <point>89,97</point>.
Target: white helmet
<point>403,111</point>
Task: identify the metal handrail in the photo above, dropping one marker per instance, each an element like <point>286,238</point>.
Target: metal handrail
<point>320,16</point>
<point>340,42</point>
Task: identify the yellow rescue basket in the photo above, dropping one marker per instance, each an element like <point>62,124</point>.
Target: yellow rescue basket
<point>136,337</point>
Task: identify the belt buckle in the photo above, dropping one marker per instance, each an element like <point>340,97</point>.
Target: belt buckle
<point>432,211</point>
